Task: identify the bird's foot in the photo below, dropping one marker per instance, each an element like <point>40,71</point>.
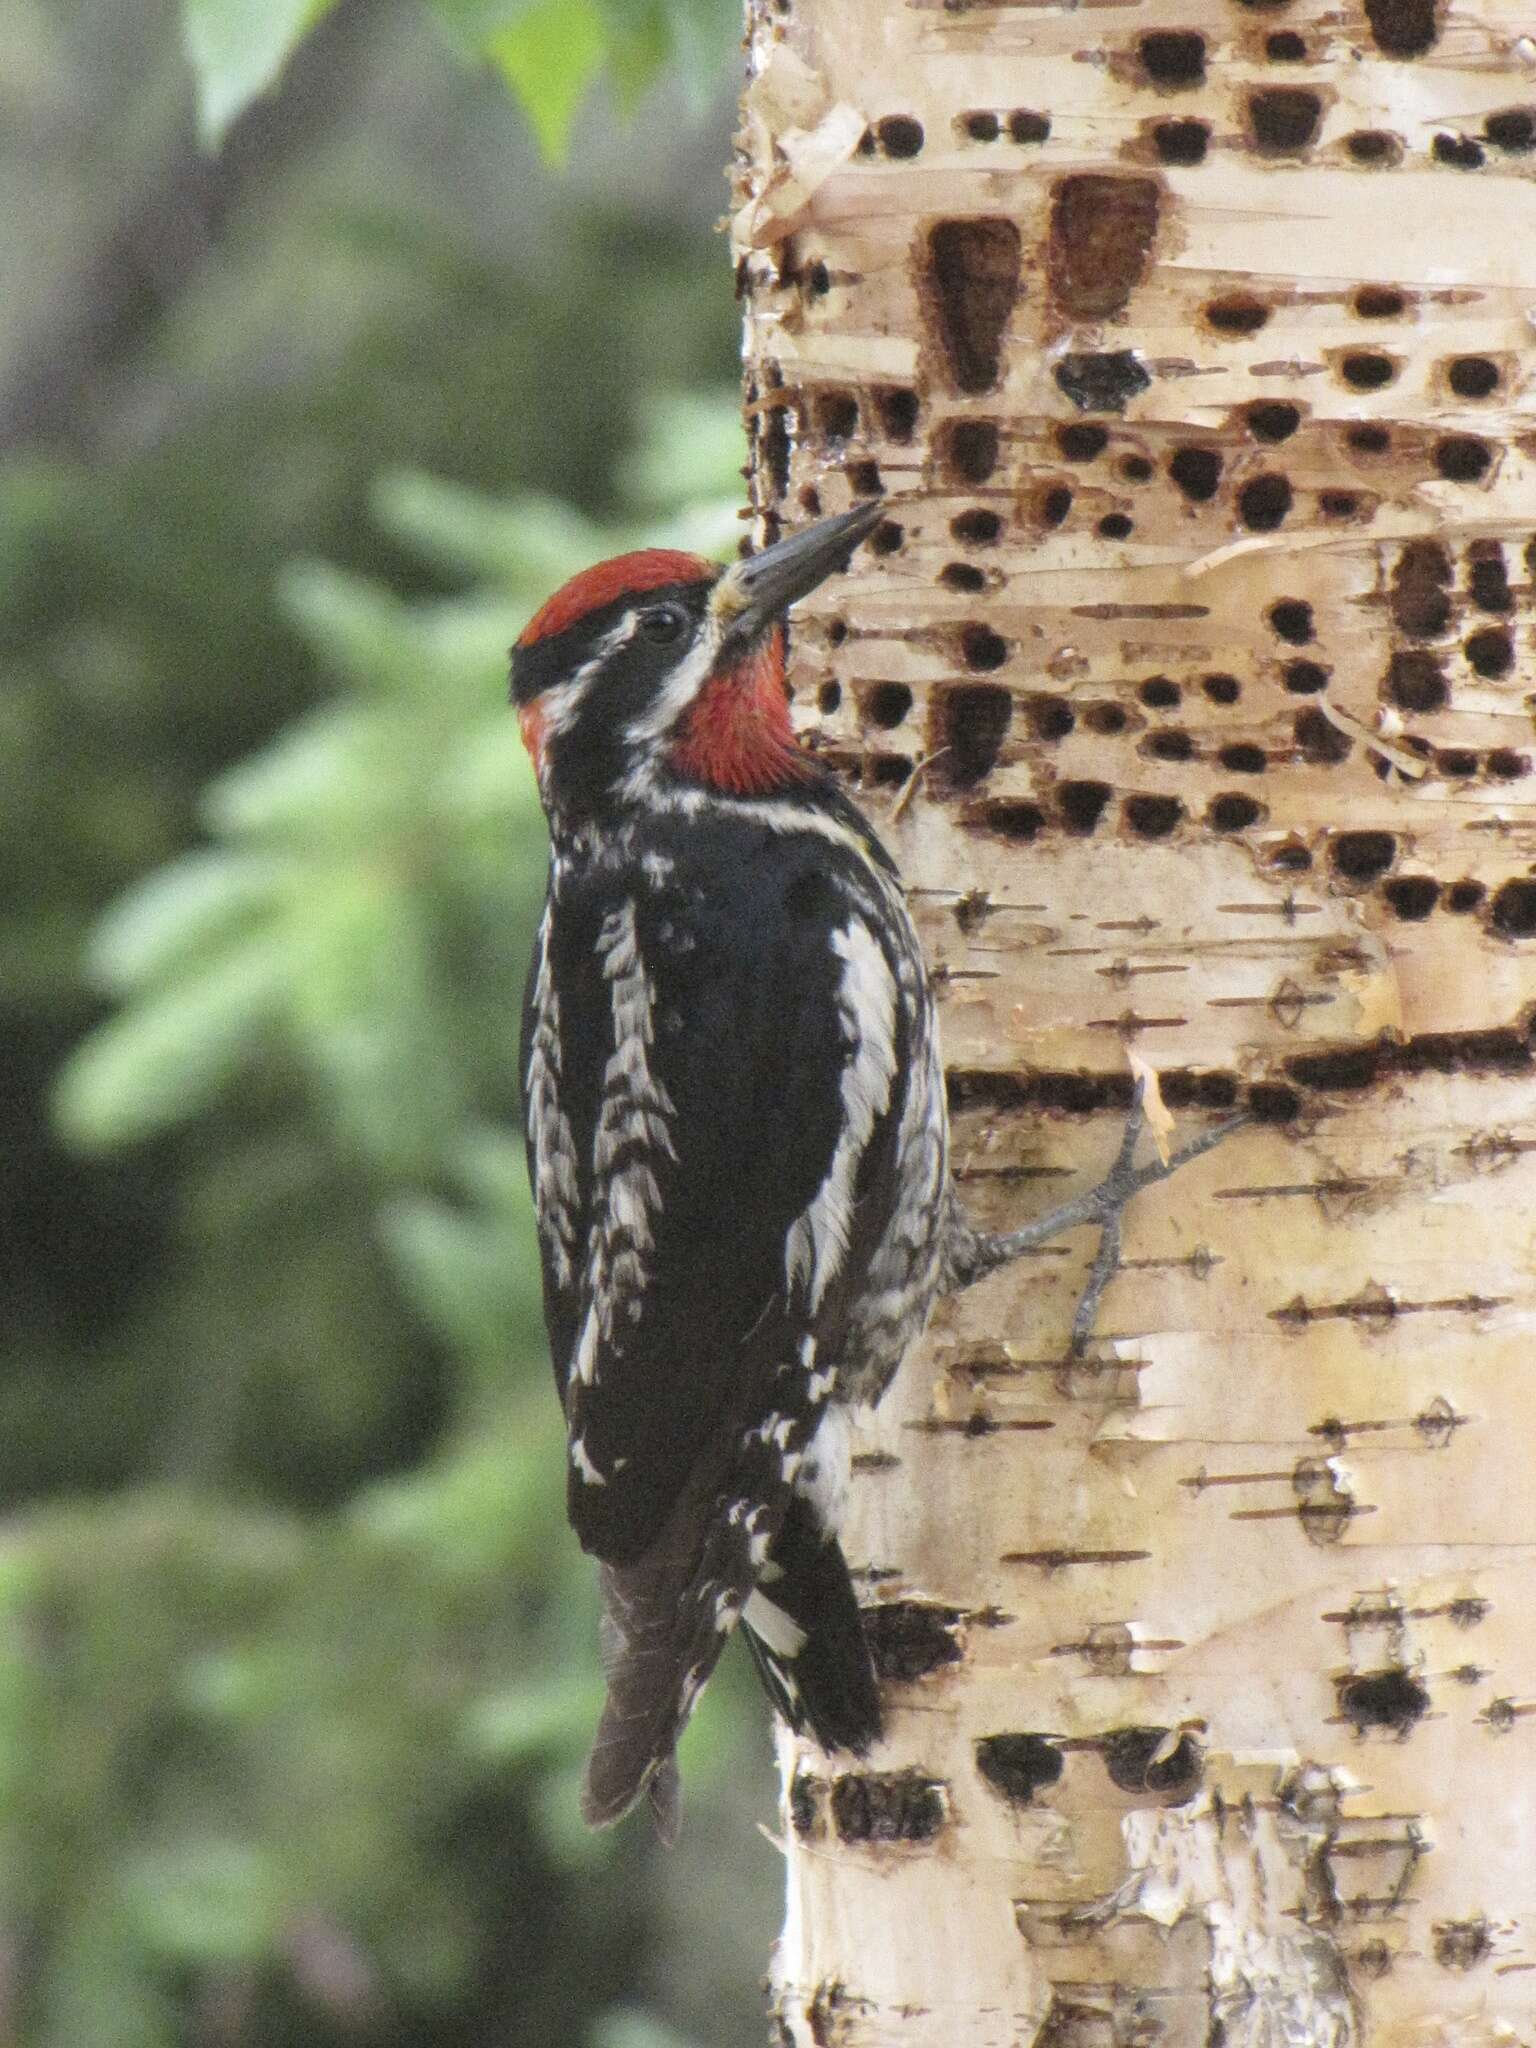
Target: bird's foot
<point>1104,1205</point>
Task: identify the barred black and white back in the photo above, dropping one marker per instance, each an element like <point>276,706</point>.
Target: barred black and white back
<point>736,1138</point>
<point>736,1133</point>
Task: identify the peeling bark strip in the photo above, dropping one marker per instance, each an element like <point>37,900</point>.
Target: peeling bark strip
<point>1192,684</point>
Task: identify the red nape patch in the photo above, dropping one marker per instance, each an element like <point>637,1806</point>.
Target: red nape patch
<point>625,575</point>
<point>736,736</point>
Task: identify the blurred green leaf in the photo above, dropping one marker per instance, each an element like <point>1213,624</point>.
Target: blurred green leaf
<point>205,1901</point>
<point>458,1273</point>
<point>319,781</point>
<point>550,51</point>
<point>628,2027</point>
<point>237,48</point>
<point>364,629</point>
<point>550,56</point>
<point>177,912</point>
<point>494,1505</point>
<point>691,450</point>
<point>155,1064</point>
<point>542,1716</point>
<point>370,1020</point>
<point>527,544</point>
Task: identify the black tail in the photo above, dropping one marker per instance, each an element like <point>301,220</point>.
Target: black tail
<point>665,1621</point>
<point>806,1636</point>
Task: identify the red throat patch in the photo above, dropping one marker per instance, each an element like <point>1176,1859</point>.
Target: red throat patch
<point>624,576</point>
<point>737,737</point>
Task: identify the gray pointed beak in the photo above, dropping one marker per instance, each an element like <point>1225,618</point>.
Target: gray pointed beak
<point>752,594</point>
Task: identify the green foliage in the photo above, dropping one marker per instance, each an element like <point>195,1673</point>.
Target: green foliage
<point>300,1656</point>
<point>379,840</point>
<point>237,48</point>
<point>355,928</point>
<point>549,52</point>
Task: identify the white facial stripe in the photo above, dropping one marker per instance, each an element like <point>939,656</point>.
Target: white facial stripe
<point>559,705</point>
<point>684,685</point>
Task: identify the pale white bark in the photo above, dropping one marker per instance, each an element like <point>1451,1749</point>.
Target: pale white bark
<point>1284,1514</point>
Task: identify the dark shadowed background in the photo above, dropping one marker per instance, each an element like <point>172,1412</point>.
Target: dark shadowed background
<point>298,1658</point>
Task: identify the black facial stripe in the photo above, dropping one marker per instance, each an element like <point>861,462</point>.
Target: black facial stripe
<point>556,658</point>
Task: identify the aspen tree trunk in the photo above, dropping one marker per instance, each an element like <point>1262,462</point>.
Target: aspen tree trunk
<point>1191,344</point>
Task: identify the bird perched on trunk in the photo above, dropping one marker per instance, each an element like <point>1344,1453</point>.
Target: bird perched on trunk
<point>737,1140</point>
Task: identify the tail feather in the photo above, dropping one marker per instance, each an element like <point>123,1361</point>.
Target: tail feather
<point>804,1629</point>
<point>665,1622</point>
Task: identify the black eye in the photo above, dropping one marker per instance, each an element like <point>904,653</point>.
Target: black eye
<point>664,622</point>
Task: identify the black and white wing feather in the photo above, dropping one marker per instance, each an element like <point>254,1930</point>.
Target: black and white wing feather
<point>713,1117</point>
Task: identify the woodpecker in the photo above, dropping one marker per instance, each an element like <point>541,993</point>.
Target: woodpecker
<point>737,1140</point>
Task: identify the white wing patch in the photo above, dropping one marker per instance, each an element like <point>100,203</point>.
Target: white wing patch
<point>823,1478</point>
<point>632,1130</point>
<point>780,1631</point>
<point>866,1000</point>
<point>584,1464</point>
<point>549,1129</point>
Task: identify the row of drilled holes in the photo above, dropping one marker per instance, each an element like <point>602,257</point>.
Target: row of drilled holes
<point>975,720</point>
<point>1490,650</point>
<point>838,416</point>
<point>1081,807</point>
<point>1349,1069</point>
<point>1196,470</point>
<point>1282,121</point>
<point>1263,503</point>
<point>971,446</point>
<point>1414,681</point>
<point>1182,144</point>
<point>1421,605</point>
<point>1398,28</point>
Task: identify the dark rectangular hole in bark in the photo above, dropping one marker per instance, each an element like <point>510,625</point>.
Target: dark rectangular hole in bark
<point>1284,119</point>
<point>1392,1698</point>
<point>973,723</point>
<point>973,267</point>
<point>1402,28</point>
<point>1019,1766</point>
<point>774,447</point>
<point>1102,230</point>
<point>1009,818</point>
<point>980,1088</point>
<point>1148,1760</point>
<point>970,451</point>
<point>1466,1052</point>
<point>910,1638</point>
<point>1173,58</point>
<point>1354,1068</point>
<point>805,1794</point>
<point>1105,382</point>
<point>898,411</point>
<point>887,1806</point>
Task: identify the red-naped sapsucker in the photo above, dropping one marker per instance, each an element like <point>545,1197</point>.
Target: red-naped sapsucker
<point>737,1140</point>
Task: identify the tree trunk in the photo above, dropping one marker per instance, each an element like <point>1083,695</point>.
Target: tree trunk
<point>1189,688</point>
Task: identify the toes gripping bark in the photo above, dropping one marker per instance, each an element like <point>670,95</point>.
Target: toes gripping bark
<point>982,1252</point>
